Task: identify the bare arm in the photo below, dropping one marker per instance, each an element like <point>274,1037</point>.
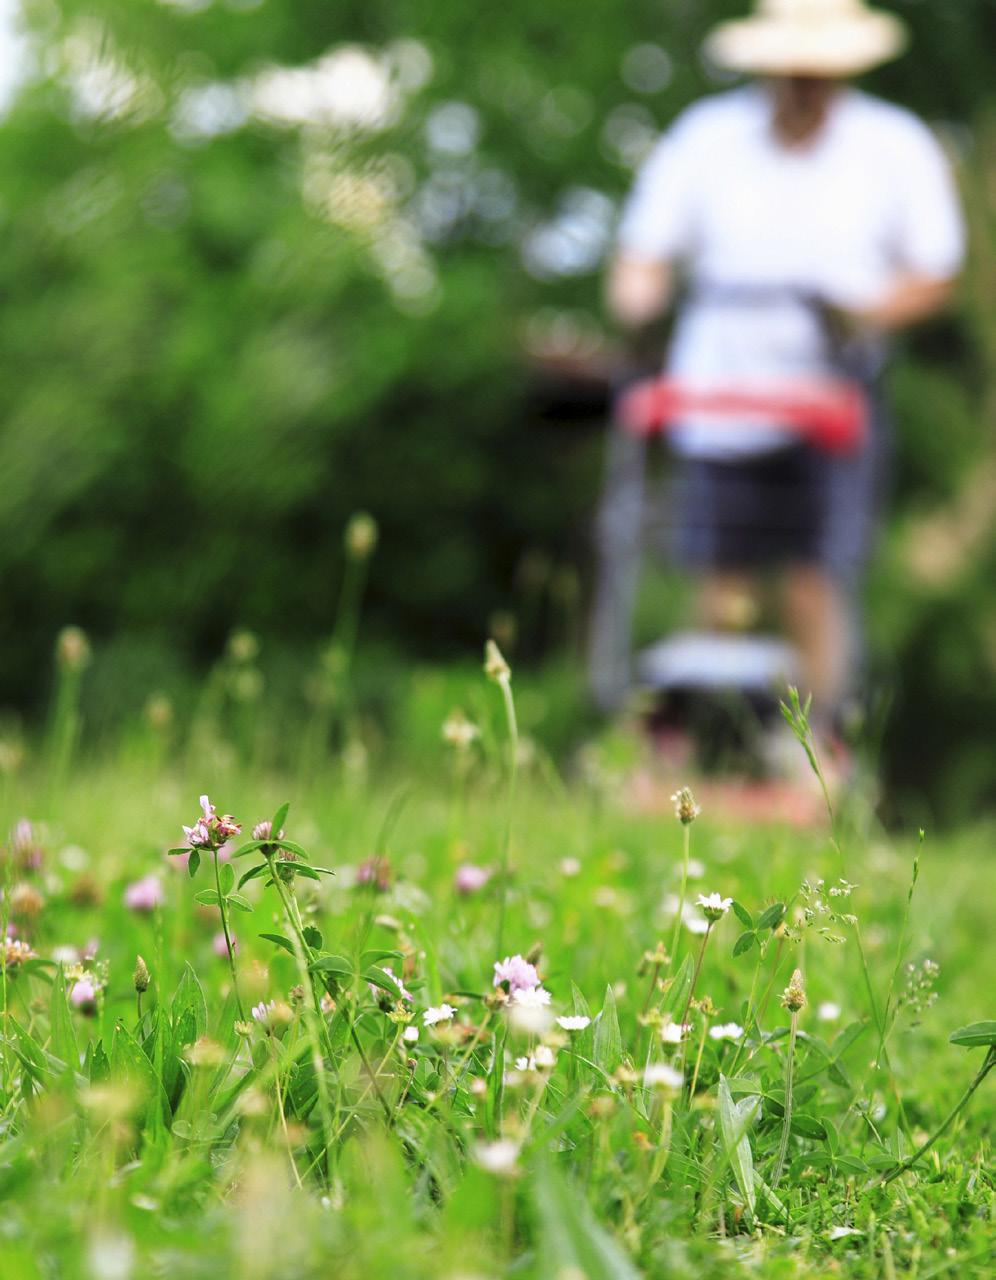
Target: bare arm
<point>911,299</point>
<point>638,290</point>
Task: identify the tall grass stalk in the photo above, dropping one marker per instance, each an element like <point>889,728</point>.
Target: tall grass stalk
<point>787,1120</point>
<point>497,669</point>
<point>987,1065</point>
<point>223,909</point>
<point>315,1028</point>
<point>686,839</point>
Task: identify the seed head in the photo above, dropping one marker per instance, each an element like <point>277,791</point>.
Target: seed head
<point>495,666</point>
<point>361,536</point>
<point>72,649</point>
<point>685,808</point>
<point>794,995</point>
<point>142,976</point>
<point>243,646</point>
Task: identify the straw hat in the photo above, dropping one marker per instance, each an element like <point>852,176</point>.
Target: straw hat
<point>808,37</point>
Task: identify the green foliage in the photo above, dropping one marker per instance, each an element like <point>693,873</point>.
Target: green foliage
<point>230,332</point>
<point>176,1135</point>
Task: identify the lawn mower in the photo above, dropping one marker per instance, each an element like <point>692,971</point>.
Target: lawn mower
<point>710,699</point>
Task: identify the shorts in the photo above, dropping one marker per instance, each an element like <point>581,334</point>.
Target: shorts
<point>797,505</point>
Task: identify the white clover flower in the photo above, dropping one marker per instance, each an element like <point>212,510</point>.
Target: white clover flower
<point>410,1035</point>
<point>713,906</point>
<point>544,1059</point>
<point>674,1033</point>
<point>828,1011</point>
<point>573,1022</point>
<point>438,1013</point>
<point>499,1158</point>
<point>569,867</point>
<point>726,1031</point>
<point>273,1015</point>
<point>659,1075</point>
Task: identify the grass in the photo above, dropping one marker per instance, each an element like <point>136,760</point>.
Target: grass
<point>153,1134</point>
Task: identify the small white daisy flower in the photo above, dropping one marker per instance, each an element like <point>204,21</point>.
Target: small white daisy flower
<point>726,1031</point>
<point>673,1032</point>
<point>531,997</point>
<point>713,906</point>
<point>499,1158</point>
<point>659,1075</point>
<point>439,1013</point>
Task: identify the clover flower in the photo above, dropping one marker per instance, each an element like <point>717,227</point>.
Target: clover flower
<point>470,878</point>
<point>374,873</point>
<point>144,895</point>
<point>25,900</point>
<point>220,947</point>
<point>410,1035</point>
<point>272,1015</point>
<point>828,1011</point>
<point>726,1031</point>
<point>83,996</point>
<point>25,847</point>
<point>264,831</point>
<point>16,952</point>
<point>713,907</point>
<point>438,1013</point>
<point>405,993</point>
<point>211,831</point>
<point>517,972</point>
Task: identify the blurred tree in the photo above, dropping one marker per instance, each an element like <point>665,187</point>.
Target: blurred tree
<point>271,261</point>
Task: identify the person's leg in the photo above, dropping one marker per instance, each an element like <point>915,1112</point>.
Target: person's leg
<point>728,600</point>
<point>817,619</point>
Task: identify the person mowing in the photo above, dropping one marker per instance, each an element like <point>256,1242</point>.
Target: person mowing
<point>800,222</point>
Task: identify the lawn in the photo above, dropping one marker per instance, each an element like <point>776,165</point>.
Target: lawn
<point>640,1090</point>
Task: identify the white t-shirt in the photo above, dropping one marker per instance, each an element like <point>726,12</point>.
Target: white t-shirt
<point>871,198</point>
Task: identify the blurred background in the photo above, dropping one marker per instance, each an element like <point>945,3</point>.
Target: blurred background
<point>270,262</point>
